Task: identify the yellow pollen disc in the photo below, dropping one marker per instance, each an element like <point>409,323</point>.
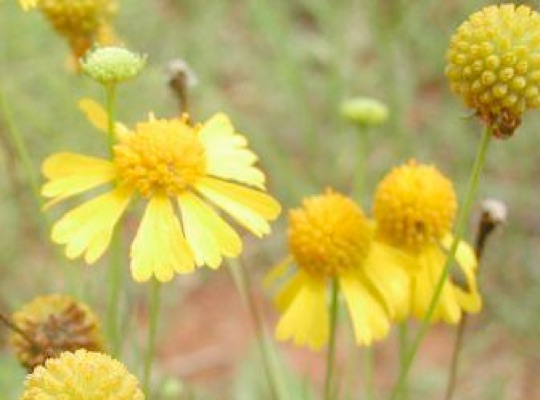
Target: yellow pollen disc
<point>329,234</point>
<point>414,205</point>
<point>160,157</point>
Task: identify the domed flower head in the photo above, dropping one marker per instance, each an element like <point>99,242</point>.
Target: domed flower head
<point>184,173</point>
<point>331,239</point>
<point>82,22</point>
<point>493,63</point>
<point>414,209</point>
<point>82,375</point>
<point>55,323</point>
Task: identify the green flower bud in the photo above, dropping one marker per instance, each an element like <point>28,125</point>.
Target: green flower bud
<point>364,111</point>
<point>112,65</point>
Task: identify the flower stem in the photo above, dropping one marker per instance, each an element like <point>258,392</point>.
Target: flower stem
<point>331,354</point>
<point>369,370</point>
<point>458,345</point>
<point>403,332</point>
<point>460,228</point>
<point>360,175</point>
<point>115,267</point>
<point>151,338</point>
<point>243,283</point>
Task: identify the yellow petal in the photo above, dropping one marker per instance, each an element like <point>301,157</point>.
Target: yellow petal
<point>88,228</point>
<point>306,320</point>
<point>226,154</point>
<point>386,268</point>
<point>208,235</point>
<point>277,271</point>
<point>370,321</point>
<point>71,173</point>
<point>159,248</point>
<point>97,116</point>
<point>248,207</point>
<point>289,291</point>
<point>28,4</point>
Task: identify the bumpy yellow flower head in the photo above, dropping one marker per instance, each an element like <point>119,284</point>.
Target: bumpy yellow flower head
<point>493,63</point>
<point>328,235</point>
<point>415,205</point>
<point>56,323</point>
<point>82,375</point>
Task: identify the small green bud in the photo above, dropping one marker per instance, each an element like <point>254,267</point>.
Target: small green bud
<point>112,65</point>
<point>172,389</point>
<point>364,111</point>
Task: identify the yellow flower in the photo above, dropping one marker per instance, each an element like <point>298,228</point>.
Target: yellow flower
<point>493,63</point>
<point>414,208</point>
<point>82,375</point>
<point>174,166</point>
<point>83,22</point>
<point>56,323</point>
<point>28,4</point>
<point>330,238</point>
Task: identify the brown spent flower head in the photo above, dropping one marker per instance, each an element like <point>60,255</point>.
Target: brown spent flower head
<point>493,63</point>
<point>82,375</point>
<point>55,323</point>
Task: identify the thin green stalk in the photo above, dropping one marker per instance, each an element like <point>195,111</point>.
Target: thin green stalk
<point>243,283</point>
<point>155,300</point>
<point>369,373</point>
<point>458,345</point>
<point>331,353</point>
<point>115,260</point>
<point>460,228</point>
<point>360,175</point>
<point>403,332</point>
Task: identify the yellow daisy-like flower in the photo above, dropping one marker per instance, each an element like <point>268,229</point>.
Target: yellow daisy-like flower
<point>83,22</point>
<point>82,375</point>
<point>414,208</point>
<point>330,238</point>
<point>174,166</point>
<point>56,323</point>
<point>493,63</point>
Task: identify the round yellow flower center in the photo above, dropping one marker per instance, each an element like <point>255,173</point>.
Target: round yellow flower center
<point>160,157</point>
<point>414,205</point>
<point>493,63</point>
<point>328,235</point>
<point>81,17</point>
<point>82,375</point>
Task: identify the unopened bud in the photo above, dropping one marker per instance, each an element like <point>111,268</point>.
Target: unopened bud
<point>112,65</point>
<point>364,111</point>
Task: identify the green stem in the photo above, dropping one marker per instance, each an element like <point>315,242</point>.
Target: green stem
<point>243,283</point>
<point>151,338</point>
<point>460,228</point>
<point>331,353</point>
<point>458,345</point>
<point>403,331</point>
<point>369,372</point>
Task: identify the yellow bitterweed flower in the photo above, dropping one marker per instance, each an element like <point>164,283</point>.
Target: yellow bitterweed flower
<point>83,22</point>
<point>82,375</point>
<point>414,209</point>
<point>174,166</point>
<point>330,238</point>
<point>55,323</point>
<point>493,63</point>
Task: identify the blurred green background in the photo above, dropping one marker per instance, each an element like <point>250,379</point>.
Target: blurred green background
<point>281,69</point>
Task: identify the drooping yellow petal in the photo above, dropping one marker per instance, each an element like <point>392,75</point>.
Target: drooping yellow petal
<point>250,208</point>
<point>159,248</point>
<point>88,228</point>
<point>306,319</point>
<point>28,4</point>
<point>277,271</point>
<point>226,153</point>
<point>97,116</point>
<point>368,316</point>
<point>71,173</point>
<point>387,270</point>
<point>208,235</point>
<point>289,291</point>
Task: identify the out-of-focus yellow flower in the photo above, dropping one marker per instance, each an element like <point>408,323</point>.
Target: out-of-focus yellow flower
<point>83,22</point>
<point>493,63</point>
<point>28,4</point>
<point>330,238</point>
<point>55,323</point>
<point>414,208</point>
<point>174,166</point>
<point>82,375</point>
